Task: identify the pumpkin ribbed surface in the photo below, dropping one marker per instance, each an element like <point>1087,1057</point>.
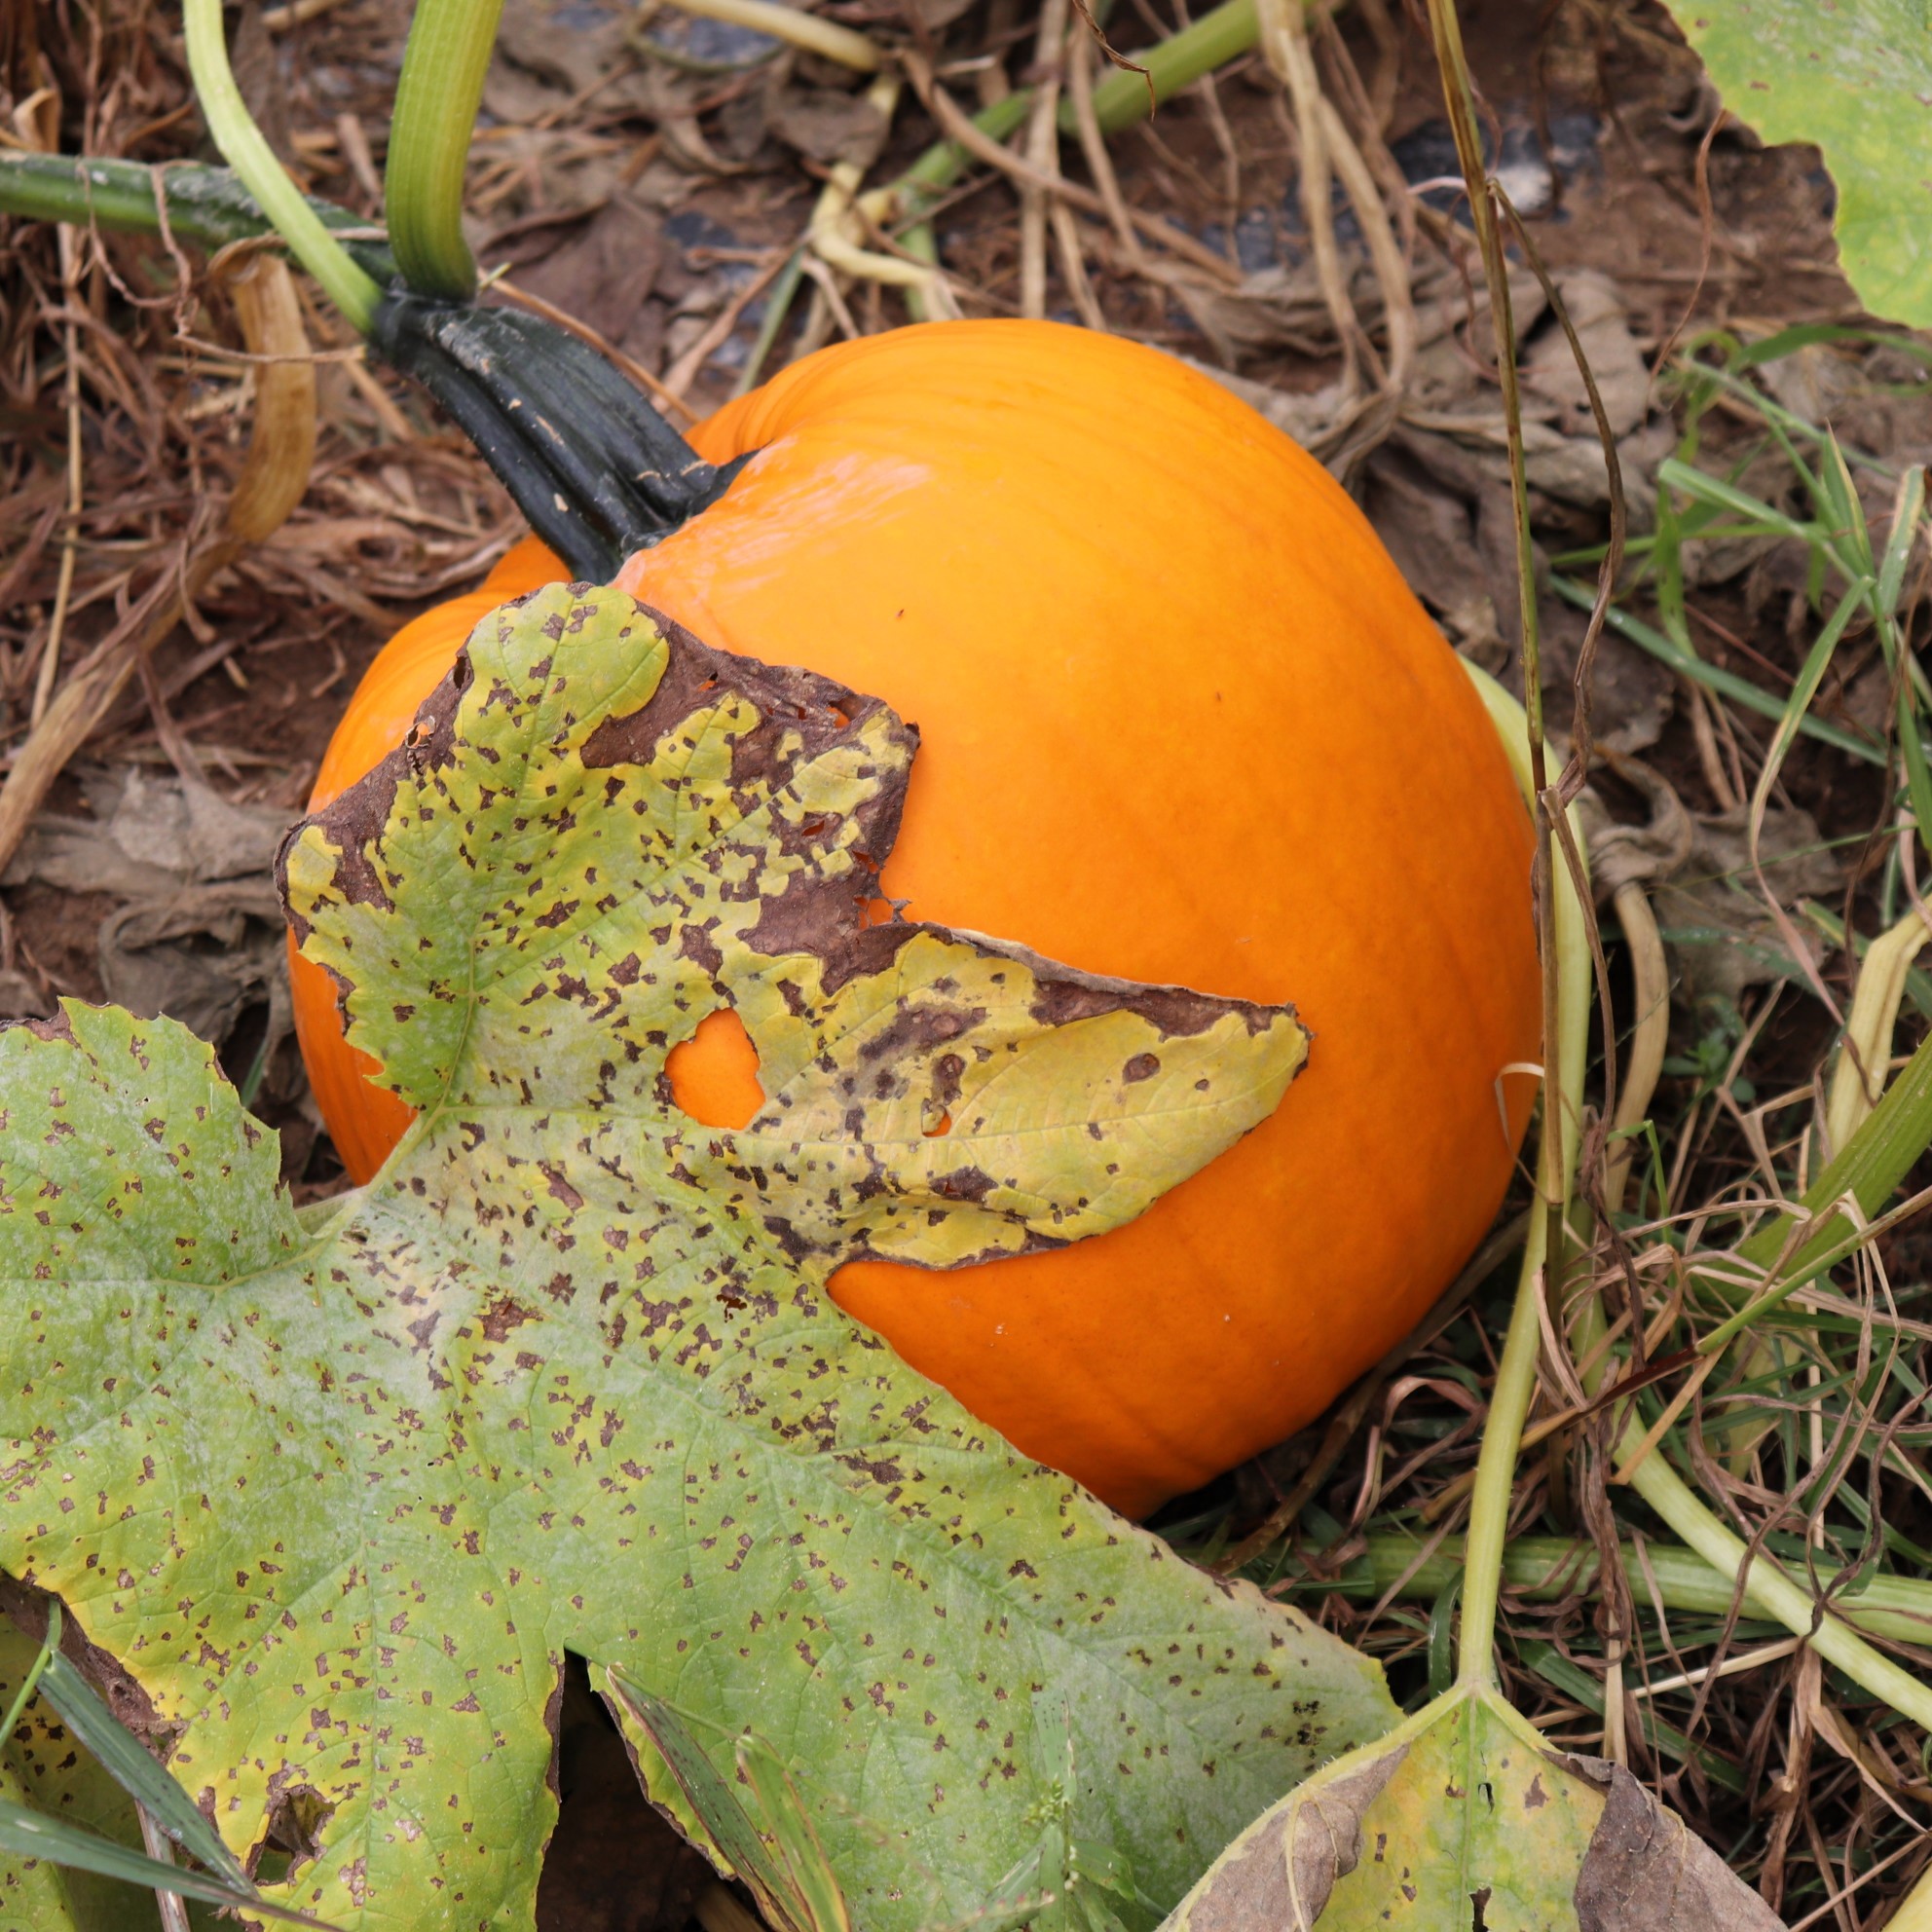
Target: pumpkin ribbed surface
<point>1181,722</point>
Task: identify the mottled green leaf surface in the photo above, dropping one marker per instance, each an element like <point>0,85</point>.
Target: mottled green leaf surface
<point>566,1376</point>
<point>1855,78</point>
<point>1463,1815</point>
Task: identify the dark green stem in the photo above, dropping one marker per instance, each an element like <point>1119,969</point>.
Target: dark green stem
<point>1121,100</point>
<point>595,469</point>
<point>208,207</point>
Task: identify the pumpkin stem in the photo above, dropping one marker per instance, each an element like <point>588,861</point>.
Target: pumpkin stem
<point>596,471</point>
<point>600,476</point>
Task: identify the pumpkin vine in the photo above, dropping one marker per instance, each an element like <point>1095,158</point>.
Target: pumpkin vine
<point>348,284</point>
<point>437,98</point>
<point>598,473</point>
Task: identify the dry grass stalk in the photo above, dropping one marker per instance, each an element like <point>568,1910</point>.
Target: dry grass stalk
<point>1043,155</point>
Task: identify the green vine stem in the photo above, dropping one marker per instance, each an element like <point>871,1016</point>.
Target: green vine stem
<point>437,98</point>
<point>207,206</point>
<point>1562,941</point>
<point>1797,1608</point>
<point>285,204</point>
<point>1566,1021</point>
<point>1121,100</point>
<point>1496,1465</point>
<point>1550,1568</point>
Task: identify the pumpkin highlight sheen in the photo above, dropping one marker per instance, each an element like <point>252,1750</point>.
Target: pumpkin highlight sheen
<point>1181,722</point>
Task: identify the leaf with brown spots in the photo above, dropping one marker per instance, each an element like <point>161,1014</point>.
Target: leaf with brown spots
<point>1464,1816</point>
<point>340,1491</point>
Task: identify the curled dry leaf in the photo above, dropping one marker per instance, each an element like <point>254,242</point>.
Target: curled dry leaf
<point>1597,313</point>
<point>1453,402</point>
<point>566,1377</point>
<point>1622,854</point>
<point>281,440</point>
<point>1464,1815</point>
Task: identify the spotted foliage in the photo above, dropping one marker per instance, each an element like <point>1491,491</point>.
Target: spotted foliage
<point>339,1492</point>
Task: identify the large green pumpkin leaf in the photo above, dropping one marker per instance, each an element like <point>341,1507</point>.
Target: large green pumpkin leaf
<point>1855,78</point>
<point>338,1495</point>
<point>1464,1816</point>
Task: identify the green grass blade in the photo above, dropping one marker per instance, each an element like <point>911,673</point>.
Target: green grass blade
<point>1716,494</point>
<point>1741,689</point>
<point>133,1769</point>
<point>27,1834</point>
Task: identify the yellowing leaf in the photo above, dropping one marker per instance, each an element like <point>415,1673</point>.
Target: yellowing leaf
<point>1464,1816</point>
<point>341,1493</point>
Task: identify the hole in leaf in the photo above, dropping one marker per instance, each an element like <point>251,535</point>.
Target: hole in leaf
<point>296,1816</point>
<point>614,1862</point>
<point>940,1127</point>
<point>714,1075</point>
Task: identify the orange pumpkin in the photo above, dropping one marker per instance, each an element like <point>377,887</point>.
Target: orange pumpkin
<point>1181,721</point>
